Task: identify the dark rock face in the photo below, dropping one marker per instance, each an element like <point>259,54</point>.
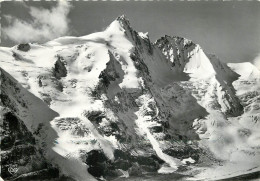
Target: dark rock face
<point>179,47</point>
<point>59,70</point>
<point>95,116</point>
<point>24,47</point>
<point>156,129</point>
<point>18,149</point>
<point>183,152</point>
<point>12,136</point>
<point>100,165</point>
<point>110,73</point>
<point>139,64</point>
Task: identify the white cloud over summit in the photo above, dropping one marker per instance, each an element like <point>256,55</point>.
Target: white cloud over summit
<point>46,24</point>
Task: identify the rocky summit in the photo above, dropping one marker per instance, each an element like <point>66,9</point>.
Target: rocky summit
<point>112,105</point>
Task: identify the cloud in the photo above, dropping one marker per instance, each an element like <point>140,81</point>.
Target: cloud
<point>45,24</point>
<point>256,61</point>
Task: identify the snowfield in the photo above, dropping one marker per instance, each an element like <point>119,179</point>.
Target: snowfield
<point>147,107</point>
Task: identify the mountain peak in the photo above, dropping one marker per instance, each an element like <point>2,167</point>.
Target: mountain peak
<point>121,23</point>
<point>124,22</point>
<point>122,18</point>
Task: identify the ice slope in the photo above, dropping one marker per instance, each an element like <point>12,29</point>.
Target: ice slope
<point>149,107</point>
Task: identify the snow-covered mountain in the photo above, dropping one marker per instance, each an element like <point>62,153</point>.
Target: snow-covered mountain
<point>113,104</point>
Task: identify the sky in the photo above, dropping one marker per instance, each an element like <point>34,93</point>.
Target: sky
<point>230,30</point>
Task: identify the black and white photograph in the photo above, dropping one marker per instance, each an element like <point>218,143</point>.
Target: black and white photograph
<point>122,90</point>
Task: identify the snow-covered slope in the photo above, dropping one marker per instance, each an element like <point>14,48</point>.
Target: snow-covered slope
<point>138,107</point>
